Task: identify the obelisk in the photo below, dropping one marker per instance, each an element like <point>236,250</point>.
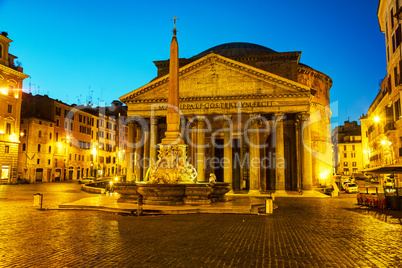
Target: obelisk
<point>172,134</point>
<point>172,166</point>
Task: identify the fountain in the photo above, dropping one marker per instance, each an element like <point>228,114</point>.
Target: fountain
<point>172,180</point>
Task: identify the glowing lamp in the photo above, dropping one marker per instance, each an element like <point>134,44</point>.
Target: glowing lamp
<point>376,119</point>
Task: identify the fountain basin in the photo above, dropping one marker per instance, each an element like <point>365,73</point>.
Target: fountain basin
<point>128,192</point>
<point>162,194</point>
<point>173,194</point>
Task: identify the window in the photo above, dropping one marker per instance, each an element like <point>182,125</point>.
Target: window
<point>23,147</point>
<point>50,149</point>
<point>57,123</point>
<point>8,129</point>
<point>50,136</point>
<point>345,164</point>
<point>353,147</point>
<point>9,109</point>
<point>353,155</point>
<point>38,161</point>
<point>345,155</point>
<point>7,149</point>
<point>25,132</point>
<point>354,164</point>
<point>58,111</point>
<point>344,147</point>
<point>57,136</point>
<point>397,106</point>
<point>40,134</point>
<point>48,162</point>
<point>38,147</point>
<point>40,122</point>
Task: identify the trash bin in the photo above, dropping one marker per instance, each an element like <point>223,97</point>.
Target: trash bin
<point>38,200</point>
<point>269,206</point>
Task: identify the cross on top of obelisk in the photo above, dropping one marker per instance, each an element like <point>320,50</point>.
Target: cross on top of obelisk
<point>174,25</point>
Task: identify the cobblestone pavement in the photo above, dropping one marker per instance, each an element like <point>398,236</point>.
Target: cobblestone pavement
<point>302,232</point>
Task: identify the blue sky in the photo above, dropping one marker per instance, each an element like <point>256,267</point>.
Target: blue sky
<point>76,49</point>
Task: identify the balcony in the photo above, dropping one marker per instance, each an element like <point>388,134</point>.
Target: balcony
<point>389,126</point>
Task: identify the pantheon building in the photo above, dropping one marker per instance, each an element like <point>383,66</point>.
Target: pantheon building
<point>256,118</point>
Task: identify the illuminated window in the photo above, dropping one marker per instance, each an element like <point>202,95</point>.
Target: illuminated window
<point>5,172</point>
<point>9,109</point>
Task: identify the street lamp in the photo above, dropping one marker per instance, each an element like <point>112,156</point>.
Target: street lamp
<point>376,119</point>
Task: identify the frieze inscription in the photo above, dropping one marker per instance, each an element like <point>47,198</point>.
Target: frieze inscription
<point>220,105</point>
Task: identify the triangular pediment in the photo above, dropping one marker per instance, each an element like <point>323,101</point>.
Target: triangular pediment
<point>9,118</point>
<point>215,76</point>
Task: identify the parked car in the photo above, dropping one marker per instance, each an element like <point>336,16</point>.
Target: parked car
<point>86,180</point>
<point>344,182</point>
<point>351,188</point>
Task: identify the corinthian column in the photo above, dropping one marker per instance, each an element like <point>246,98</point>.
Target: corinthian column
<point>201,148</point>
<point>130,151</point>
<point>153,139</point>
<point>255,161</point>
<point>227,151</point>
<point>307,175</point>
<point>280,162</point>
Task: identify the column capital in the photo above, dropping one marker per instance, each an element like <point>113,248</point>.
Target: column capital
<point>154,120</point>
<point>279,117</point>
<point>305,116</point>
<point>201,120</point>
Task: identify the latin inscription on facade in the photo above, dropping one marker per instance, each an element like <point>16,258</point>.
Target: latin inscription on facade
<point>220,105</point>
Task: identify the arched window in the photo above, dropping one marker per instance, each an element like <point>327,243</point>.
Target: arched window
<point>23,147</point>
<point>38,147</point>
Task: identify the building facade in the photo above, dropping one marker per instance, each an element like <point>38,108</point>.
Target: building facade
<point>347,152</point>
<point>11,77</point>
<point>256,118</point>
<point>62,142</point>
<point>382,125</point>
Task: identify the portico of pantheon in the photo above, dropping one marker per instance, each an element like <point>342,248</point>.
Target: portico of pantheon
<point>256,118</point>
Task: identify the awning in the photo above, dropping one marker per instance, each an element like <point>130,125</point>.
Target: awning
<point>391,169</point>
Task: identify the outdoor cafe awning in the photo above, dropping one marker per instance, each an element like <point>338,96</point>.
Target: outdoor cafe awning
<point>391,169</point>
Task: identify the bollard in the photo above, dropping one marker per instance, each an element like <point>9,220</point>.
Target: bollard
<point>38,200</point>
<point>139,205</point>
<point>269,206</point>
